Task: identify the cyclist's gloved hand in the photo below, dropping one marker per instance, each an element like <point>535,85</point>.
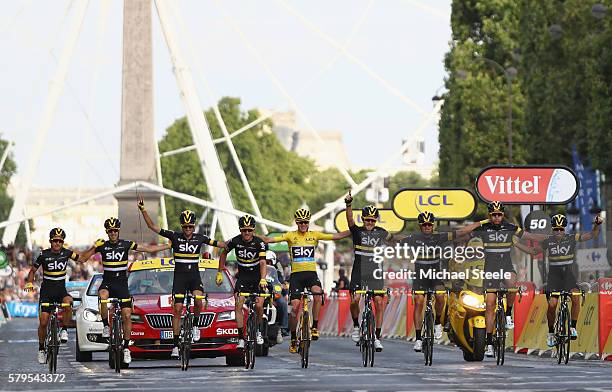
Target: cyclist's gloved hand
<point>99,242</point>
<point>263,283</point>
<point>140,202</point>
<point>29,287</point>
<point>348,200</point>
<point>598,220</point>
<point>219,278</point>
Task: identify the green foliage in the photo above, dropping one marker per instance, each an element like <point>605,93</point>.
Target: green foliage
<point>562,94</point>
<point>5,176</point>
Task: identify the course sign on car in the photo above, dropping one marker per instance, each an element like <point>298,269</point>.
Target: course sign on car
<point>527,184</point>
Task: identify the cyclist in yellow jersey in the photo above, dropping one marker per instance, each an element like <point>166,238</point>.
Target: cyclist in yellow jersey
<point>302,245</point>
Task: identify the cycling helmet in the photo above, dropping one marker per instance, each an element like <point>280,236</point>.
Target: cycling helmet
<point>57,233</point>
<point>369,212</point>
<point>426,217</point>
<point>302,214</point>
<point>271,256</point>
<point>495,207</point>
<point>187,218</point>
<point>559,221</point>
<point>112,223</point>
<point>246,222</point>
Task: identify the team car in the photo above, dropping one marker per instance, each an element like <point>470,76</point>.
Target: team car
<point>150,284</point>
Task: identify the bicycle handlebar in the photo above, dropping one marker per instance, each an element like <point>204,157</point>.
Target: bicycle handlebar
<point>190,296</point>
<point>57,304</point>
<point>263,295</point>
<point>423,292</point>
<point>114,300</point>
<point>386,291</point>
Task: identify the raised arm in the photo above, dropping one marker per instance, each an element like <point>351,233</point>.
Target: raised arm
<point>150,224</point>
<point>221,267</point>
<point>532,250</point>
<point>341,235</point>
<point>471,227</point>
<point>152,248</point>
<point>86,255</point>
<point>595,232</point>
<point>271,240</point>
<point>348,200</point>
<point>534,237</point>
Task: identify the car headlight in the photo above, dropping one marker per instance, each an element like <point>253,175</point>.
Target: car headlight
<point>472,301</point>
<point>226,316</point>
<point>90,315</point>
<point>136,318</point>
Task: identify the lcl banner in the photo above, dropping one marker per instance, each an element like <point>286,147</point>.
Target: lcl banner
<point>527,184</point>
<point>387,220</point>
<point>444,203</point>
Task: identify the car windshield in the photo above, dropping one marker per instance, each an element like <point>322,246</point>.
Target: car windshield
<point>95,283</point>
<point>159,281</point>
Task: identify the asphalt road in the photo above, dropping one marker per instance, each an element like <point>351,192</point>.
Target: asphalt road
<point>335,365</point>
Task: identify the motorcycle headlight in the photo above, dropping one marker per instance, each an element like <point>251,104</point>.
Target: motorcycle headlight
<point>227,316</point>
<point>136,318</point>
<point>472,301</point>
<point>278,288</point>
<point>90,315</point>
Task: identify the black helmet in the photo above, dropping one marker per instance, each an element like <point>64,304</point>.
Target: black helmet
<point>246,222</point>
<point>426,217</point>
<point>57,233</point>
<point>495,207</point>
<point>187,218</point>
<point>369,212</point>
<point>559,221</point>
<point>302,214</point>
<point>112,223</point>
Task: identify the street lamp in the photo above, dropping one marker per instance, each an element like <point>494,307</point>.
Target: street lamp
<point>510,73</point>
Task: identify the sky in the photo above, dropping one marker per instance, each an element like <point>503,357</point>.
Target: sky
<point>365,68</point>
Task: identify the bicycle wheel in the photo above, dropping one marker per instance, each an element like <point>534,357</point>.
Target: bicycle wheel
<point>252,331</point>
<point>500,336</point>
<point>53,342</point>
<point>430,336</point>
<point>117,336</point>
<point>305,339</point>
<point>185,351</point>
<point>568,338</point>
<point>363,339</point>
<point>372,337</point>
<point>560,334</point>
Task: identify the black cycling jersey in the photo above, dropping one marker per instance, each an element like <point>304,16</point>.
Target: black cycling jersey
<point>365,241</point>
<point>428,248</point>
<point>561,251</point>
<point>248,254</point>
<point>497,239</point>
<point>186,251</point>
<point>54,264</point>
<point>115,257</point>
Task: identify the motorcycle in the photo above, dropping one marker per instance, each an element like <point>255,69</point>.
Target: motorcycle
<point>466,314</point>
<point>269,327</point>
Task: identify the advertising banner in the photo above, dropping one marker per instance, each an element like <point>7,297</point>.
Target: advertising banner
<point>527,184</point>
<point>22,309</point>
<point>444,203</point>
<point>387,220</point>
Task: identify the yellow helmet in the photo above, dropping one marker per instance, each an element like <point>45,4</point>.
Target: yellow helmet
<point>302,214</point>
<point>187,218</point>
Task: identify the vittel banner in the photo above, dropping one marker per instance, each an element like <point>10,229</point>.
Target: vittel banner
<point>527,184</point>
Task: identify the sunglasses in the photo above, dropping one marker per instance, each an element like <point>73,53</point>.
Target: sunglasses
<point>427,225</point>
<point>497,214</point>
<point>188,226</point>
<point>58,240</point>
<point>302,222</point>
<point>558,229</point>
<point>112,231</point>
<point>370,220</point>
<point>246,230</point>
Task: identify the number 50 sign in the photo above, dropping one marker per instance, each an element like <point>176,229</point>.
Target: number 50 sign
<point>537,222</point>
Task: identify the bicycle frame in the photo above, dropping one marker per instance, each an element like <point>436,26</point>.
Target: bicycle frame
<point>500,322</point>
<point>251,327</point>
<point>367,330</point>
<point>303,326</point>
<point>115,351</point>
<point>563,324</point>
<point>186,331</point>
<point>428,322</point>
<point>51,340</point>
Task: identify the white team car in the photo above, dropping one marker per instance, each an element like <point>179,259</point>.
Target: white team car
<point>88,323</point>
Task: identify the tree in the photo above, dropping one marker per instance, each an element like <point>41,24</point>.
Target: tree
<point>5,176</point>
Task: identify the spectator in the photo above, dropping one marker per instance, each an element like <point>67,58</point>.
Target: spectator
<point>342,283</point>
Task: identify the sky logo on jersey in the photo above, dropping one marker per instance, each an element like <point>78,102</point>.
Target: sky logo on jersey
<point>527,184</point>
<point>498,237</point>
<point>302,253</point>
<point>57,265</point>
<point>245,254</point>
<point>114,255</point>
<point>559,250</point>
<point>370,241</point>
<point>187,248</point>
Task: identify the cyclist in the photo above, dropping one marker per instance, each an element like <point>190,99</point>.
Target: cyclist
<point>302,244</point>
<point>251,277</point>
<point>186,249</point>
<point>561,248</point>
<point>428,247</point>
<point>54,261</point>
<point>365,239</point>
<point>498,238</point>
<point>114,284</point>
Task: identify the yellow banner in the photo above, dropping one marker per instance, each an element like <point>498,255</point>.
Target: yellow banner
<point>387,220</point>
<point>447,204</point>
<point>168,263</point>
<point>535,330</point>
<point>587,326</point>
